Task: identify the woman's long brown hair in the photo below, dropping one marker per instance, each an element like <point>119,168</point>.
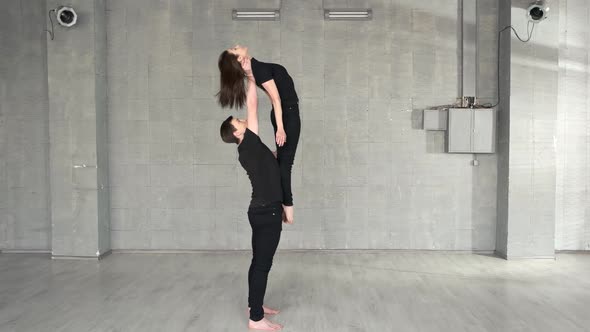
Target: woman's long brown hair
<point>232,90</point>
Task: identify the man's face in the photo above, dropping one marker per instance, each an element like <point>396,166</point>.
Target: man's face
<point>240,125</point>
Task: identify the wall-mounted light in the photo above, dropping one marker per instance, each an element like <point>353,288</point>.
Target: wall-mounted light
<point>348,14</point>
<point>256,14</point>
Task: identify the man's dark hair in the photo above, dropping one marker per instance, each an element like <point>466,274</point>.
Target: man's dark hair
<point>227,131</point>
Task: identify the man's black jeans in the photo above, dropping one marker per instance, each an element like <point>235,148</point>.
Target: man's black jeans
<point>267,224</point>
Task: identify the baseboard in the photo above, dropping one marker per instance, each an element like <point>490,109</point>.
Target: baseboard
<point>24,251</point>
<point>500,254</point>
<point>177,251</point>
<point>511,258</point>
<point>421,251</point>
<point>575,252</point>
<point>343,251</point>
<point>105,254</point>
<point>69,257</point>
<point>65,257</point>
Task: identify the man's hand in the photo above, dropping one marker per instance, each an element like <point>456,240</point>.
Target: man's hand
<point>288,214</point>
<point>285,220</point>
<point>281,137</point>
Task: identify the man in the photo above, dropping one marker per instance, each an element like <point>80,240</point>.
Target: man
<point>265,212</point>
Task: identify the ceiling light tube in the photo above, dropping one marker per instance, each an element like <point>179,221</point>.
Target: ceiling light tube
<point>348,14</point>
<point>255,15</point>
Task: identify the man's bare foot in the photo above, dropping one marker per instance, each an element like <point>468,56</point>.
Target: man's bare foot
<point>268,311</point>
<point>288,210</point>
<point>264,325</point>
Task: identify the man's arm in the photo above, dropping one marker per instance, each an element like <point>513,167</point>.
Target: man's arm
<point>251,97</point>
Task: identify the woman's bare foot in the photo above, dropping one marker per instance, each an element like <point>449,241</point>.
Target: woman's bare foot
<point>288,210</point>
<point>268,311</point>
<point>264,325</point>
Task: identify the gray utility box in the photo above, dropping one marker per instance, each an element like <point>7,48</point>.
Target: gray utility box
<point>472,130</point>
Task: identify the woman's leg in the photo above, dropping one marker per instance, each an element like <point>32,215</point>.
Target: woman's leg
<point>286,153</point>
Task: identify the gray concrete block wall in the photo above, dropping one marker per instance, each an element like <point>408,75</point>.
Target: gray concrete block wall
<point>572,218</point>
<point>77,129</point>
<point>102,151</point>
<point>24,138</point>
<point>503,130</point>
<point>487,38</point>
<point>485,177</point>
<point>533,120</point>
<point>365,176</point>
<point>533,176</point>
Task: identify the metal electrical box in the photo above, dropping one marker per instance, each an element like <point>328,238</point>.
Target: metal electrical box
<point>472,130</point>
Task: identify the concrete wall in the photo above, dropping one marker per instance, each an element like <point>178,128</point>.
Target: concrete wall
<point>24,139</point>
<point>527,166</point>
<point>533,115</point>
<point>544,135</point>
<point>503,128</point>
<point>365,176</point>
<point>102,147</point>
<point>572,217</point>
<point>78,132</point>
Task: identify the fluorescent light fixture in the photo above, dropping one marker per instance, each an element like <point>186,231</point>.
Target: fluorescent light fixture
<point>348,14</point>
<point>255,14</point>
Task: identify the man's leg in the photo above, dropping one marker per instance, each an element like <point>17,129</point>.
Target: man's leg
<point>267,311</point>
<point>251,270</point>
<point>266,227</point>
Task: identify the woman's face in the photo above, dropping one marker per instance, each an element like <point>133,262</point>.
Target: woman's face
<point>240,51</point>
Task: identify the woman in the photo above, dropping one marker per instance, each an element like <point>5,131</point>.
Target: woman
<point>278,86</point>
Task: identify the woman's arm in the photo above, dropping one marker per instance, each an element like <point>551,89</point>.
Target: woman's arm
<point>275,98</point>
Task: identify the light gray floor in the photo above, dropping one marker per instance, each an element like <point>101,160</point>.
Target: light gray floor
<point>317,291</point>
